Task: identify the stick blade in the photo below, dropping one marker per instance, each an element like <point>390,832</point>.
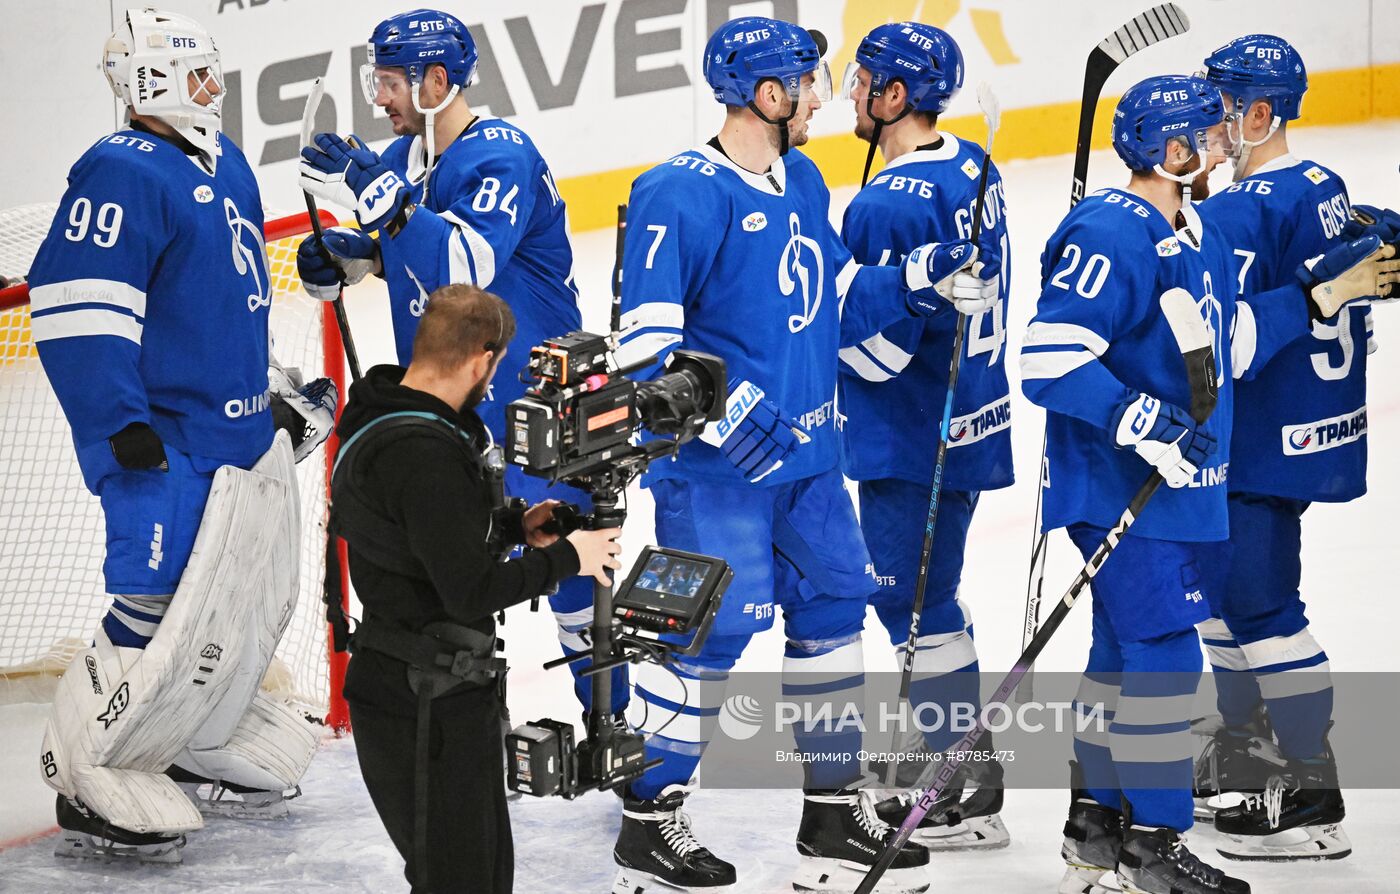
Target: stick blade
<point>308,115</point>
<point>1143,30</point>
<point>991,108</point>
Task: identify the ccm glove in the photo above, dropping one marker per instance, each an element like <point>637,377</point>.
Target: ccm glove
<point>138,447</point>
<point>305,412</point>
<point>1164,435</point>
<point>1364,268</point>
<point>352,176</point>
<point>343,258</point>
<point>942,273</point>
<point>754,434</point>
<point>1368,220</point>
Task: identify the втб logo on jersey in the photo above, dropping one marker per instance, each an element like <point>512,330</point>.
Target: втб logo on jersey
<point>794,272</point>
<point>248,261</point>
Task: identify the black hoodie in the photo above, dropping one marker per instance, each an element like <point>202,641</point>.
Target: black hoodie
<point>424,484</point>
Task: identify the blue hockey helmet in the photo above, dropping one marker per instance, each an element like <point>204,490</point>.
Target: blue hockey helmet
<point>1159,110</point>
<point>1260,66</point>
<point>925,58</point>
<point>744,52</point>
<point>415,40</point>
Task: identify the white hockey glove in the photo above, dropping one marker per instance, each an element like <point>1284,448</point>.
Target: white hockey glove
<point>950,271</point>
<point>342,258</point>
<point>1164,435</point>
<point>306,413</point>
<point>350,175</point>
<point>1363,269</point>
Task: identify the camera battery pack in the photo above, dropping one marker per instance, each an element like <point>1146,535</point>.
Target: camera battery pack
<point>540,758</point>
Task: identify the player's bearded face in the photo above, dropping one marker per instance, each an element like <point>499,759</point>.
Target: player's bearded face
<point>860,94</point>
<point>395,97</point>
<point>807,103</point>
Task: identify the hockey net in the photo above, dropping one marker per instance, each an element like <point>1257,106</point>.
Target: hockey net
<point>51,529</point>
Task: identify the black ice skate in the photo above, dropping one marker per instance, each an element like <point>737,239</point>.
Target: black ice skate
<point>85,835</point>
<point>656,850</point>
<point>841,837</point>
<point>960,820</point>
<point>1297,816</point>
<point>216,797</point>
<point>1156,861</point>
<point>1235,762</point>
<point>1093,836</point>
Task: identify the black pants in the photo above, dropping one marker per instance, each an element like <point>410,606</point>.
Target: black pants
<point>469,843</point>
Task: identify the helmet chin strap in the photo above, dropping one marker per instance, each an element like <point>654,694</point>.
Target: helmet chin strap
<point>780,123</point>
<point>428,131</point>
<point>880,124</point>
<point>1241,160</point>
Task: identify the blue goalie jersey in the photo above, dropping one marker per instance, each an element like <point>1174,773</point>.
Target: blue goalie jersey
<point>1300,424</point>
<point>748,267</point>
<point>149,302</point>
<point>893,384</point>
<point>493,217</point>
<point>1098,337</point>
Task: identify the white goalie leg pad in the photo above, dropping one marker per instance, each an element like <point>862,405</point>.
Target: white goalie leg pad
<point>155,701</point>
<point>270,749</point>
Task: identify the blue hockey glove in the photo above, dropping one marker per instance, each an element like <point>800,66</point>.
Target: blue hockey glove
<point>1368,220</point>
<point>931,274</point>
<point>1164,435</point>
<point>348,256</point>
<point>1363,269</point>
<point>352,176</point>
<point>754,434</point>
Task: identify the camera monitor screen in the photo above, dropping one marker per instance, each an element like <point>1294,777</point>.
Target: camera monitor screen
<point>670,590</point>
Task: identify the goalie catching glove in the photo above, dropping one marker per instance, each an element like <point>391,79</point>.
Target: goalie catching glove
<point>951,271</point>
<point>305,412</point>
<point>754,434</point>
<point>352,176</point>
<point>342,258</point>
<point>1164,435</point>
<point>1363,269</point>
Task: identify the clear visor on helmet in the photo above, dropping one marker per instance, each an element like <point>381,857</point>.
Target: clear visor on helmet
<point>201,81</point>
<point>816,84</point>
<point>1219,140</point>
<point>851,79</point>
<point>393,81</point>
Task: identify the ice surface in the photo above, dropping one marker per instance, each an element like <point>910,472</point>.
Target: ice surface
<point>333,841</point>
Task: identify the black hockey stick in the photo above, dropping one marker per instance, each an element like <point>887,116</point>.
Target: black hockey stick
<point>992,112</point>
<point>308,123</point>
<point>616,321</point>
<point>1193,339</point>
<point>1142,31</point>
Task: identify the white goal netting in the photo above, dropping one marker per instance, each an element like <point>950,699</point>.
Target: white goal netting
<point>51,529</point>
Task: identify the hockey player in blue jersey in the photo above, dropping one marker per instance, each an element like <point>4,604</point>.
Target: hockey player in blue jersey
<point>1299,437</point>
<point>1100,358</point>
<point>456,198</point>
<point>893,384</point>
<point>730,250</point>
<point>150,300</point>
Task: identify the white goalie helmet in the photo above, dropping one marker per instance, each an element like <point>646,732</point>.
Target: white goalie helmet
<point>166,66</point>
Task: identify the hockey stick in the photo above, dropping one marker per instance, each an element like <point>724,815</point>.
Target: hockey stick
<point>308,124</point>
<point>991,110</point>
<point>1142,31</point>
<point>1193,339</point>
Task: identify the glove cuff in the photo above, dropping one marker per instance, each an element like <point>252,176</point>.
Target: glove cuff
<point>1135,419</point>
<point>743,397</point>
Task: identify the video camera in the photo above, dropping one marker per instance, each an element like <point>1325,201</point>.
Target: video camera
<point>579,422</point>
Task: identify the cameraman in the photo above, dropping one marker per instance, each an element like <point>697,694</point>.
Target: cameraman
<point>412,497</point>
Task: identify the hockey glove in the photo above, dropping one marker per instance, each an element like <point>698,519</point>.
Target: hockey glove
<point>1364,268</point>
<point>352,176</point>
<point>138,447</point>
<point>1368,220</point>
<point>1164,435</point>
<point>754,434</point>
<point>931,275</point>
<point>347,256</point>
<point>306,412</point>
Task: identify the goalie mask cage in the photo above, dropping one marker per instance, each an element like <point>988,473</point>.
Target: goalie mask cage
<point>51,529</point>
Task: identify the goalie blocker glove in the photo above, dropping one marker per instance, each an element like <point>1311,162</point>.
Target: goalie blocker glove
<point>951,272</point>
<point>754,434</point>
<point>342,258</point>
<point>1164,435</point>
<point>1364,268</point>
<point>352,176</point>
<point>305,412</point>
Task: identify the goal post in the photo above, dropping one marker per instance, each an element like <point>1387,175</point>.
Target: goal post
<point>51,530</point>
